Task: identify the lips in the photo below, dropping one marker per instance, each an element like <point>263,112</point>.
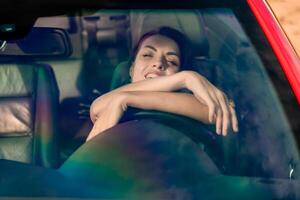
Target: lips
<point>152,74</point>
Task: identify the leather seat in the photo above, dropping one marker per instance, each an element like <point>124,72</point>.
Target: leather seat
<point>28,108</point>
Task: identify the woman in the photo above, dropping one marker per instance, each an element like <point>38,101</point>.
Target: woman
<point>157,72</point>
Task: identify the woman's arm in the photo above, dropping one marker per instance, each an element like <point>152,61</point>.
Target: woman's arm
<point>164,83</point>
<point>219,110</point>
<point>176,103</point>
<point>203,90</point>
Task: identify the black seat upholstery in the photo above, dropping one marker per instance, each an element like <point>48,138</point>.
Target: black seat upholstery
<point>28,106</point>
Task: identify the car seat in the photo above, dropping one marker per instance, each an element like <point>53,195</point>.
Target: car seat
<point>105,43</point>
<point>28,106</point>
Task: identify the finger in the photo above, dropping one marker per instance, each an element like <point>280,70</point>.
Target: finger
<point>234,120</point>
<point>211,92</point>
<point>91,134</point>
<point>210,102</point>
<point>223,105</point>
<point>215,96</point>
<point>205,92</point>
<point>219,122</point>
<point>225,112</point>
<point>211,111</point>
<point>96,128</point>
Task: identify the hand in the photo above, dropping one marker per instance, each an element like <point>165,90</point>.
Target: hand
<point>221,111</point>
<point>110,116</point>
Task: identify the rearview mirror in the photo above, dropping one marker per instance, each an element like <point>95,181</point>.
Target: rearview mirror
<point>39,42</point>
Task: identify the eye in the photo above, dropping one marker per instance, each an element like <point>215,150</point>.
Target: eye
<point>175,63</point>
<point>147,55</point>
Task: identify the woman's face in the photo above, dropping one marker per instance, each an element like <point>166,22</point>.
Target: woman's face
<point>157,56</point>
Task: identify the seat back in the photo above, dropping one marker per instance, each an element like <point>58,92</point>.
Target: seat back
<point>189,22</point>
<point>28,109</point>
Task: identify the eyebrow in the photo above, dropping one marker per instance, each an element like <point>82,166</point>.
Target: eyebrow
<point>169,53</point>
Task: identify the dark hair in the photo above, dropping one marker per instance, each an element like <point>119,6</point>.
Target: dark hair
<point>173,34</point>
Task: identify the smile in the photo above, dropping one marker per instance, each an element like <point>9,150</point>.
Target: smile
<point>151,75</point>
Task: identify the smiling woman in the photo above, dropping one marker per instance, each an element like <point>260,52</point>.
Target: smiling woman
<point>155,77</point>
<point>165,57</point>
<point>165,47</point>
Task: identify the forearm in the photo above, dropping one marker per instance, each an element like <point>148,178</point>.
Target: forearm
<point>163,84</point>
<point>177,103</point>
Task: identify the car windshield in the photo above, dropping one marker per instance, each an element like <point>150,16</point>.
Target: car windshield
<point>88,59</point>
<point>222,52</point>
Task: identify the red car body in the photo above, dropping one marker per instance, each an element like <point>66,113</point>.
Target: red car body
<point>284,51</point>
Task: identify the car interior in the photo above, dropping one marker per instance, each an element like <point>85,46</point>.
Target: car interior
<point>49,79</point>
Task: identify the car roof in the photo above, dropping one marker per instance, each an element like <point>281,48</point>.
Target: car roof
<point>14,8</point>
<point>23,14</point>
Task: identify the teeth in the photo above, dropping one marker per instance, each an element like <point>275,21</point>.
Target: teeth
<point>148,77</point>
<point>151,76</point>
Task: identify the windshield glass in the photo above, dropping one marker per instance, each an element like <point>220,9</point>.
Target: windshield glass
<point>221,51</point>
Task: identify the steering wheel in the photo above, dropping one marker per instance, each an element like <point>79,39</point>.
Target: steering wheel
<point>202,134</point>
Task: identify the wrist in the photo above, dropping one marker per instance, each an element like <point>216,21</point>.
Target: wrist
<point>184,78</point>
<point>121,99</point>
<point>188,77</point>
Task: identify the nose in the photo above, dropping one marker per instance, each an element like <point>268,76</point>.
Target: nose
<point>160,64</point>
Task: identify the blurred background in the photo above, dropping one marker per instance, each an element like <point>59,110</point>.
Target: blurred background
<point>288,14</point>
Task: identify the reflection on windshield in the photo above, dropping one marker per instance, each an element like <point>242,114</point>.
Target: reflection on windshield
<point>265,144</point>
<point>221,51</point>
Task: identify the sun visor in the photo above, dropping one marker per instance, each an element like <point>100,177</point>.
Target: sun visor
<point>186,21</point>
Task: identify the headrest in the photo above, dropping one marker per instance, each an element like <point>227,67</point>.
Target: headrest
<point>141,21</point>
<point>188,22</point>
<point>121,75</point>
<point>16,80</point>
